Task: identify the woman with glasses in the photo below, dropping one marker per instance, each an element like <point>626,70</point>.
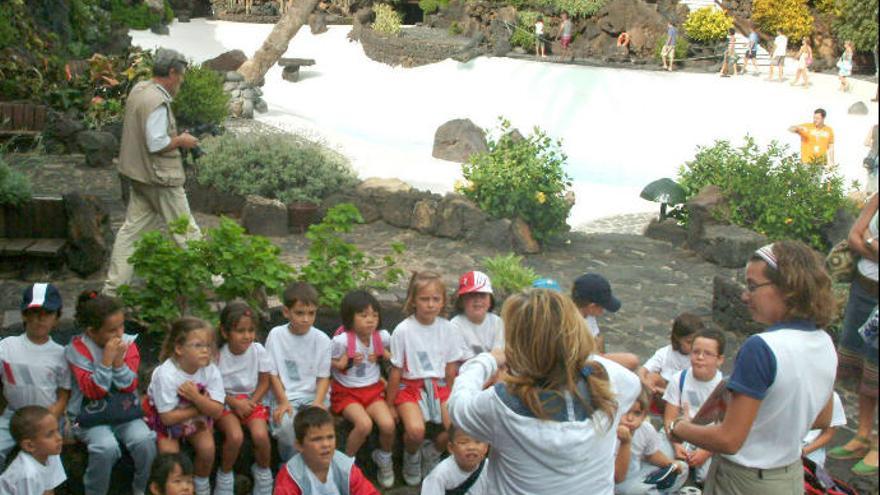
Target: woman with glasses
<point>782,379</point>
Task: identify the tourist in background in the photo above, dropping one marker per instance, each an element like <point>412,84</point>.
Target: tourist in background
<point>752,53</point>
<point>667,53</point>
<point>539,37</point>
<point>817,140</point>
<point>729,61</point>
<point>777,60</point>
<point>805,60</point>
<point>564,35</point>
<point>844,65</point>
<point>871,161</point>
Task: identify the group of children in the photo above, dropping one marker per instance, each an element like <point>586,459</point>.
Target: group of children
<point>287,389</point>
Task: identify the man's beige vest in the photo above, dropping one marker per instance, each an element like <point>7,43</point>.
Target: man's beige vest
<point>135,160</point>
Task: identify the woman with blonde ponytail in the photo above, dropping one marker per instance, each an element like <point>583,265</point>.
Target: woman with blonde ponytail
<point>552,418</point>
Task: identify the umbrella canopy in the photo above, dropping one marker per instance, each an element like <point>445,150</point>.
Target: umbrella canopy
<point>664,190</point>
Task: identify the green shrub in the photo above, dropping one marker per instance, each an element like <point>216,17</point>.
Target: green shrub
<point>578,8</point>
<point>15,187</point>
<point>857,22</point>
<point>387,20</point>
<point>707,24</point>
<point>508,273</point>
<point>431,6</point>
<point>201,99</point>
<point>273,165</point>
<point>136,16</point>
<point>521,178</point>
<point>769,191</point>
<point>681,47</point>
<point>792,17</point>
<point>455,29</point>
<point>524,34</point>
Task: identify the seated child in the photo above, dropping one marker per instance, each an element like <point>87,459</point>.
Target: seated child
<point>671,359</point>
<point>691,387</point>
<point>35,372</point>
<point>319,468</point>
<point>816,440</point>
<point>463,473</point>
<point>480,329</point>
<point>592,295</point>
<point>301,354</point>
<point>640,451</point>
<point>37,468</point>
<point>172,474</point>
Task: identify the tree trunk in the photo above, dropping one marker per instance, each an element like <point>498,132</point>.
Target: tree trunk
<point>276,43</point>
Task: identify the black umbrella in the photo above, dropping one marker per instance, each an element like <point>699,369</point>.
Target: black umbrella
<point>664,191</point>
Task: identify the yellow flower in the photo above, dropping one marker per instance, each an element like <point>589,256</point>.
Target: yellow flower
<point>541,197</point>
<point>789,221</point>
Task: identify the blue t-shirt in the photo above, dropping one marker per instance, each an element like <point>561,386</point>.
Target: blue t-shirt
<point>671,34</point>
<point>753,42</point>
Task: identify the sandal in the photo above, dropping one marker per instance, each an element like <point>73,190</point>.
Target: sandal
<point>841,453</point>
<point>863,469</point>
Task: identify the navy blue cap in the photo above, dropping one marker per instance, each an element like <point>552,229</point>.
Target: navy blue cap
<point>593,288</point>
<point>43,296</point>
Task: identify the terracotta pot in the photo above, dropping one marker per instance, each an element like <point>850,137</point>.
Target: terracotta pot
<point>301,214</point>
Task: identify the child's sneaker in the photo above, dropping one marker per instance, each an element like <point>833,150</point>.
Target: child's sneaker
<point>412,468</point>
<point>263,482</point>
<point>386,468</point>
<point>430,457</point>
<point>224,483</point>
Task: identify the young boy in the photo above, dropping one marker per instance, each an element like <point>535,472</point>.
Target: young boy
<point>691,387</point>
<point>592,295</point>
<point>301,354</point>
<point>464,472</point>
<point>319,468</point>
<point>37,469</point>
<point>816,440</point>
<point>35,372</point>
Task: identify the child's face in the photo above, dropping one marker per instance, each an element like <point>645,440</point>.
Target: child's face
<point>301,316</point>
<point>634,417</point>
<point>176,484</point>
<point>39,322</point>
<point>241,336</point>
<point>47,440</point>
<point>195,352</point>
<point>317,446</point>
<point>591,309</point>
<point>429,303</point>
<point>468,453</point>
<point>705,358</point>
<point>113,326</point>
<point>476,306</point>
<point>686,344</point>
<point>365,321</point>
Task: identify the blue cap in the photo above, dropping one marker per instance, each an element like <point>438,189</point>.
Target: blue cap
<point>547,283</point>
<point>594,288</point>
<point>43,296</point>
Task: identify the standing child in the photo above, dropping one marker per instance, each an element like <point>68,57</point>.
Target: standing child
<point>480,329</point>
<point>186,395</point>
<point>670,359</point>
<point>425,350</point>
<point>463,472</point>
<point>689,388</point>
<point>104,362</point>
<point>301,354</point>
<point>172,474</point>
<point>816,440</point>
<point>35,372</point>
<point>246,368</point>
<point>357,391</point>
<point>539,37</point>
<point>37,468</point>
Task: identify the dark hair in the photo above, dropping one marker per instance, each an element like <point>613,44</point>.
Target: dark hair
<point>459,301</point>
<point>820,111</point>
<point>164,464</point>
<point>354,302</point>
<point>92,308</point>
<point>731,31</point>
<point>231,314</point>
<point>716,335</point>
<point>23,425</point>
<point>310,417</point>
<point>177,334</point>
<point>685,325</point>
<point>299,292</point>
<point>453,432</point>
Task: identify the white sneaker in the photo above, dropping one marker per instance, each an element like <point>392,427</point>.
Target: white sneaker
<point>430,457</point>
<point>412,468</point>
<point>224,483</point>
<point>386,469</point>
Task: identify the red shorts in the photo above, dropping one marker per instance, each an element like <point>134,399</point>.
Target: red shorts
<point>566,40</point>
<point>259,412</point>
<point>411,391</point>
<point>342,396</point>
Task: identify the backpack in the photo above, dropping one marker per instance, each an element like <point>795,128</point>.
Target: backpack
<point>351,344</point>
<point>817,481</point>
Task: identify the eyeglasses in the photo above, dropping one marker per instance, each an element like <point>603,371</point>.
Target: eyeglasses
<point>704,354</point>
<point>199,346</point>
<point>752,287</point>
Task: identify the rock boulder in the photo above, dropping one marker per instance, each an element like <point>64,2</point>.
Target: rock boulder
<point>89,238</point>
<point>99,147</point>
<point>728,310</point>
<point>264,216</point>
<point>225,62</point>
<point>728,245</point>
<point>457,140</point>
<point>523,240</point>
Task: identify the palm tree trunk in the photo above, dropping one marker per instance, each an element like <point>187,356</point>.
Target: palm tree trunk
<point>276,43</point>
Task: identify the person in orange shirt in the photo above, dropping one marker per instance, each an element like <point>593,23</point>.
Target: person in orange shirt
<point>817,140</point>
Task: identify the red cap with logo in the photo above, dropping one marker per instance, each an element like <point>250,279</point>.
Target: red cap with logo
<point>474,282</point>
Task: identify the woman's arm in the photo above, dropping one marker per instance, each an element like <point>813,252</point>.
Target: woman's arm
<point>857,235</point>
<point>470,407</point>
<point>727,437</point>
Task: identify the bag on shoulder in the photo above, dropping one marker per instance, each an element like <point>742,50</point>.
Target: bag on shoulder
<point>115,408</point>
<point>817,481</point>
<point>841,263</point>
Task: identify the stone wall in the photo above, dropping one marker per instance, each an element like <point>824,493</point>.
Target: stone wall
<point>414,47</point>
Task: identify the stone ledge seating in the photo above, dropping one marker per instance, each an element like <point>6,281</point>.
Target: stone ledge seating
<point>291,67</point>
<point>36,229</point>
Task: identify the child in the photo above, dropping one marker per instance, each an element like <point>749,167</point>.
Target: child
<point>671,359</point>
<point>480,329</point>
<point>592,295</point>
<point>246,368</point>
<point>816,440</point>
<point>691,387</point>
<point>319,468</point>
<point>539,37</point>
<point>357,392</point>
<point>172,474</point>
<point>186,395</point>
<point>638,441</point>
<point>37,468</point>
<point>104,362</point>
<point>301,354</point>
<point>462,473</point>
<point>425,349</point>
<point>35,372</point>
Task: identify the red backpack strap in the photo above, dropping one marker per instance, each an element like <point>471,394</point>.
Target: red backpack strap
<point>378,346</point>
<point>351,345</point>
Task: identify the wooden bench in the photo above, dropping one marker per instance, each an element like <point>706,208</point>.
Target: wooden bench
<point>34,232</point>
<point>22,118</point>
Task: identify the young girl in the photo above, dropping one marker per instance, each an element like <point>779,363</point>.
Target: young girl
<point>539,37</point>
<point>844,65</point>
<point>186,395</point>
<point>246,368</point>
<point>104,362</point>
<point>805,59</point>
<point>425,349</point>
<point>481,330</point>
<point>357,391</point>
<point>172,474</point>
<point>671,359</point>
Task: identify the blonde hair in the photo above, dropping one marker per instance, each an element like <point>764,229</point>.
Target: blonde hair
<point>547,344</point>
<point>419,281</point>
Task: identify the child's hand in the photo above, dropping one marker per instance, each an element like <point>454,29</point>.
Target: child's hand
<point>680,451</point>
<point>189,391</point>
<point>699,457</point>
<point>319,404</point>
<point>280,411</point>
<point>358,358</point>
<point>372,357</point>
<point>112,350</point>
<point>243,408</point>
<point>623,434</point>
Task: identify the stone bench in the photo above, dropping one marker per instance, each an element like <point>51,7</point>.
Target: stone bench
<point>34,232</point>
<point>291,67</point>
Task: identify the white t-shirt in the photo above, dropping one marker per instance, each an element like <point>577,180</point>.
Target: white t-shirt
<point>242,373</point>
<point>780,45</point>
<point>667,362</point>
<point>167,378</point>
<point>645,441</point>
<point>299,360</point>
<point>867,267</point>
<point>593,325</point>
<point>695,391</point>
<point>358,375</point>
<point>539,28</point>
<point>32,374</point>
<point>447,475</point>
<point>423,351</point>
<point>27,476</point>
<point>838,418</point>
<point>480,338</point>
<point>328,488</point>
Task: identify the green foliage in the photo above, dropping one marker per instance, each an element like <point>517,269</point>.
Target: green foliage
<point>707,24</point>
<point>8,31</point>
<point>769,191</point>
<point>15,187</point>
<point>273,165</point>
<point>201,99</point>
<point>524,34</point>
<point>508,273</point>
<point>681,47</point>
<point>102,112</point>
<point>138,15</point>
<point>455,29</point>
<point>792,17</point>
<point>336,266</point>
<point>857,22</point>
<point>578,8</point>
<point>387,20</point>
<point>431,6</point>
<point>90,25</point>
<point>521,178</point>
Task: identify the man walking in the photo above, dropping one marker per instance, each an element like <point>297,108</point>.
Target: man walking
<point>667,53</point>
<point>780,46</point>
<point>817,140</point>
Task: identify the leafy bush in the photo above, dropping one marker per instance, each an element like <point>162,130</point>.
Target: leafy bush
<point>431,6</point>
<point>138,15</point>
<point>770,190</point>
<point>15,187</point>
<point>524,34</point>
<point>521,178</point>
<point>387,20</point>
<point>792,17</point>
<point>201,99</point>
<point>579,8</point>
<point>102,112</point>
<point>707,24</point>
<point>336,266</point>
<point>455,29</point>
<point>681,47</point>
<point>508,273</point>
<point>273,165</point>
<point>857,21</point>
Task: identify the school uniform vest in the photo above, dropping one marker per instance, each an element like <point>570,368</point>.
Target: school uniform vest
<point>135,160</point>
<point>340,470</point>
